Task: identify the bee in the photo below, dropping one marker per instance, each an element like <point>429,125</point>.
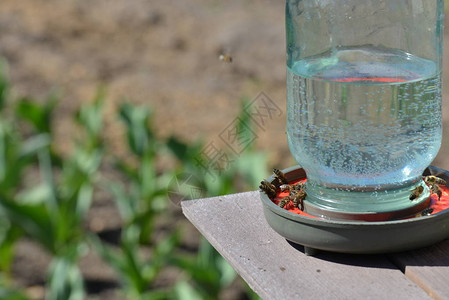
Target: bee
<point>434,180</point>
<point>286,187</point>
<point>268,188</point>
<point>291,187</point>
<point>298,199</point>
<point>299,186</point>
<point>284,201</point>
<point>435,189</point>
<point>225,57</point>
<point>279,178</point>
<point>280,183</point>
<point>427,212</point>
<point>416,192</point>
<point>433,183</point>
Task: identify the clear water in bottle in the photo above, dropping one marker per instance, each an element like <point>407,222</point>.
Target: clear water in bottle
<point>364,117</point>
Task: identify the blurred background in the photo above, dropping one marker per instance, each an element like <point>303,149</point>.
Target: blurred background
<point>108,108</point>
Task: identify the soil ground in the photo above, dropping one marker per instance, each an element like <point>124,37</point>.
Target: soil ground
<point>162,54</point>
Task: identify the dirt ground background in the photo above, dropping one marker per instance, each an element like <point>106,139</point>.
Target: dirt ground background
<point>163,54</point>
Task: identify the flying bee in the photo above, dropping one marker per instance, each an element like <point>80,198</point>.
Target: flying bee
<point>226,58</point>
<point>279,178</point>
<point>416,192</point>
<point>434,180</point>
<point>268,188</point>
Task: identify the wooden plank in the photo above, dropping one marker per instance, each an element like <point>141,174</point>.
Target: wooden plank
<point>428,268</point>
<point>276,269</point>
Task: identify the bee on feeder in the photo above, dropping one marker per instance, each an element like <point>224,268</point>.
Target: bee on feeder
<point>427,212</point>
<point>298,199</point>
<point>416,192</point>
<point>284,201</point>
<point>280,183</point>
<point>297,196</point>
<point>268,188</point>
<point>435,189</point>
<point>433,182</point>
<point>291,187</point>
<point>279,178</point>
<point>286,187</point>
<point>299,186</point>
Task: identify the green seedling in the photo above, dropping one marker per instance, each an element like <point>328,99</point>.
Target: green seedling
<point>52,207</point>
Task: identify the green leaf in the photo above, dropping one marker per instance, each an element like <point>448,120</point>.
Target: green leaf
<point>33,220</point>
<point>164,249</point>
<point>208,257</point>
<point>34,144</point>
<point>245,125</point>
<point>204,275</point>
<point>219,184</point>
<point>138,132</point>
<point>252,166</point>
<point>157,295</point>
<point>10,294</point>
<point>9,234</point>
<point>46,171</point>
<point>65,282</point>
<point>4,143</point>
<point>205,253</point>
<point>79,170</point>
<point>227,273</point>
<point>184,291</point>
<point>36,195</point>
<point>187,154</point>
<point>179,149</point>
<point>84,200</point>
<point>124,202</point>
<point>38,115</point>
<point>127,170</point>
<point>147,177</point>
<point>11,163</point>
<point>133,267</point>
<point>91,115</point>
<point>88,162</point>
<point>251,295</point>
<point>208,270</point>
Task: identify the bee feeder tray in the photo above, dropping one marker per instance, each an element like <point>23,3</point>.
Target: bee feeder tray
<point>356,236</point>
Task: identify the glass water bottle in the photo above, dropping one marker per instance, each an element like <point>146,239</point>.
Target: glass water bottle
<point>364,98</point>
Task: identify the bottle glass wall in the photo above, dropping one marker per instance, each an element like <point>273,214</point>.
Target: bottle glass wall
<point>364,90</point>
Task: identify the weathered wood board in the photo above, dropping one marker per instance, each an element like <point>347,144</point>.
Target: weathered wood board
<point>275,269</point>
<point>428,268</point>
